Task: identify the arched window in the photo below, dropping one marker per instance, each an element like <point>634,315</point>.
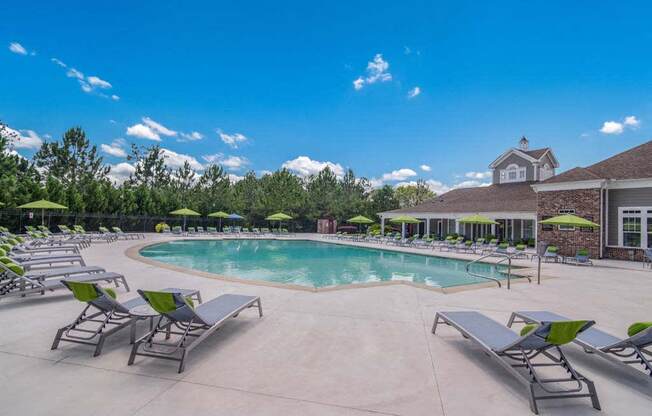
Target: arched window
<point>513,173</point>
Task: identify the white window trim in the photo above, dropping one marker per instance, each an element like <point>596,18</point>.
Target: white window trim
<point>562,212</point>
<point>644,216</point>
<point>504,173</point>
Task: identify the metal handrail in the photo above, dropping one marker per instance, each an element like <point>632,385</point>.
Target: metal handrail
<point>506,256</point>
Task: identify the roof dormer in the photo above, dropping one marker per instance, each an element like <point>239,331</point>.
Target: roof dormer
<point>520,164</point>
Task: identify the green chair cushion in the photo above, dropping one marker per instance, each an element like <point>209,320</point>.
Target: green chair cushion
<point>161,302</point>
<point>5,247</point>
<point>637,327</point>
<point>520,247</point>
<point>82,291</point>
<point>527,328</point>
<point>6,260</point>
<point>110,292</point>
<point>564,332</point>
<point>15,268</point>
<point>552,249</point>
<point>583,252</point>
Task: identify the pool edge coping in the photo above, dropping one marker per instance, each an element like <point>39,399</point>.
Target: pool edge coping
<point>133,252</point>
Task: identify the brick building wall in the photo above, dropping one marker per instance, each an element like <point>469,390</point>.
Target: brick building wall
<point>625,253</point>
<point>586,203</point>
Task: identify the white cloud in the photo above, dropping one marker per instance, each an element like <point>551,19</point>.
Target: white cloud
<point>58,62</point>
<point>425,168</point>
<point>617,127</point>
<point>377,71</point>
<point>232,139</point>
<point>158,127</point>
<point>24,139</point>
<point>192,136</point>
<point>229,162</point>
<point>470,184</point>
<point>632,122</point>
<point>612,127</point>
<point>114,149</point>
<point>121,172</point>
<point>85,86</point>
<point>266,172</point>
<point>143,131</point>
<point>175,160</point>
<point>304,166</point>
<point>17,48</point>
<point>235,178</point>
<point>399,175</point>
<point>115,97</point>
<point>414,92</point>
<point>436,186</point>
<point>478,175</point>
<point>98,82</point>
<point>73,73</point>
<point>407,50</point>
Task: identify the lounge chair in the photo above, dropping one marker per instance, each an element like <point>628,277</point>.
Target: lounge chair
<point>197,322</point>
<point>628,351</point>
<point>103,315</point>
<point>504,346</point>
<point>177,230</point>
<point>648,258</point>
<point>14,281</point>
<point>211,230</point>
<point>29,262</point>
<point>581,258</point>
<point>127,236</point>
<point>551,253</point>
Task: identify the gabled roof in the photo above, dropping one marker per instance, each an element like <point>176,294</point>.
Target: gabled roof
<point>635,163</point>
<point>533,155</point>
<point>512,197</point>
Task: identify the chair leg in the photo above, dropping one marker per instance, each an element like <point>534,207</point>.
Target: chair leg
<point>533,400</point>
<point>100,344</point>
<point>434,325</point>
<point>57,338</point>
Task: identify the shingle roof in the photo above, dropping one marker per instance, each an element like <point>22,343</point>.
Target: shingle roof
<point>536,153</point>
<point>635,163</point>
<point>495,198</point>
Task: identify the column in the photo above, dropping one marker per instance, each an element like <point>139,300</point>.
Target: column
<point>382,225</point>
<point>428,226</point>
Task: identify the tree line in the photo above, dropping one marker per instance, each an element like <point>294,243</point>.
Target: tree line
<point>70,171</point>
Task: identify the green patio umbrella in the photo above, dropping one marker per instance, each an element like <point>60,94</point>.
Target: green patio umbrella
<point>279,216</point>
<point>185,212</point>
<point>360,220</point>
<point>570,221</point>
<point>404,219</point>
<point>220,215</point>
<point>43,204</point>
<point>476,219</point>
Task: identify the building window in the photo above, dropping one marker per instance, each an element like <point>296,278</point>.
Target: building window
<point>566,227</point>
<point>545,172</point>
<point>631,231</point>
<point>528,231</point>
<point>635,224</point>
<point>513,173</point>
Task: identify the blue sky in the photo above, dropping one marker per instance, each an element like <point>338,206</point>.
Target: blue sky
<point>266,84</point>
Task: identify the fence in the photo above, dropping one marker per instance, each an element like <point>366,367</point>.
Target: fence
<point>16,220</point>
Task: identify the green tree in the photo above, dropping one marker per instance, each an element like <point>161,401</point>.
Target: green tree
<point>411,195</point>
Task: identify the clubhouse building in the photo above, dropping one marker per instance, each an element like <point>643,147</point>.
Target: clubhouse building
<point>615,193</point>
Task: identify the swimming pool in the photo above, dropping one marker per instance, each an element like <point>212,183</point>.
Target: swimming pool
<point>313,264</point>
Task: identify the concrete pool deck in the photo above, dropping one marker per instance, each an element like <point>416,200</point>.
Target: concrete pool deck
<point>345,352</point>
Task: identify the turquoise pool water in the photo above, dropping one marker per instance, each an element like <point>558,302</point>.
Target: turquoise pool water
<point>313,264</point>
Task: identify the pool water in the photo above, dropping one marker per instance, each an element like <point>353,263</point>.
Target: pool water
<point>313,264</point>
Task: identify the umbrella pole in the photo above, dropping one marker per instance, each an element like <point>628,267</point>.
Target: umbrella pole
<point>42,217</point>
<point>403,231</point>
<point>184,223</point>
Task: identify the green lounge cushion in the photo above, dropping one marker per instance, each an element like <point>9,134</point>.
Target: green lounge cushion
<point>637,327</point>
<point>583,252</point>
<point>564,332</point>
<point>110,292</point>
<point>5,247</point>
<point>15,268</point>
<point>520,247</point>
<point>6,260</point>
<point>161,302</point>
<point>82,291</point>
<point>503,245</point>
<point>527,328</point>
<point>552,249</point>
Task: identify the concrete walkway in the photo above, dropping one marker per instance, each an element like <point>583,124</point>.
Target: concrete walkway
<point>363,351</point>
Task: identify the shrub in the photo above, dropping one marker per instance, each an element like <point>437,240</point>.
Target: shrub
<point>160,227</point>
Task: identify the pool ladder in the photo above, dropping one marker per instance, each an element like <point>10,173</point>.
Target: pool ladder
<point>506,257</point>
